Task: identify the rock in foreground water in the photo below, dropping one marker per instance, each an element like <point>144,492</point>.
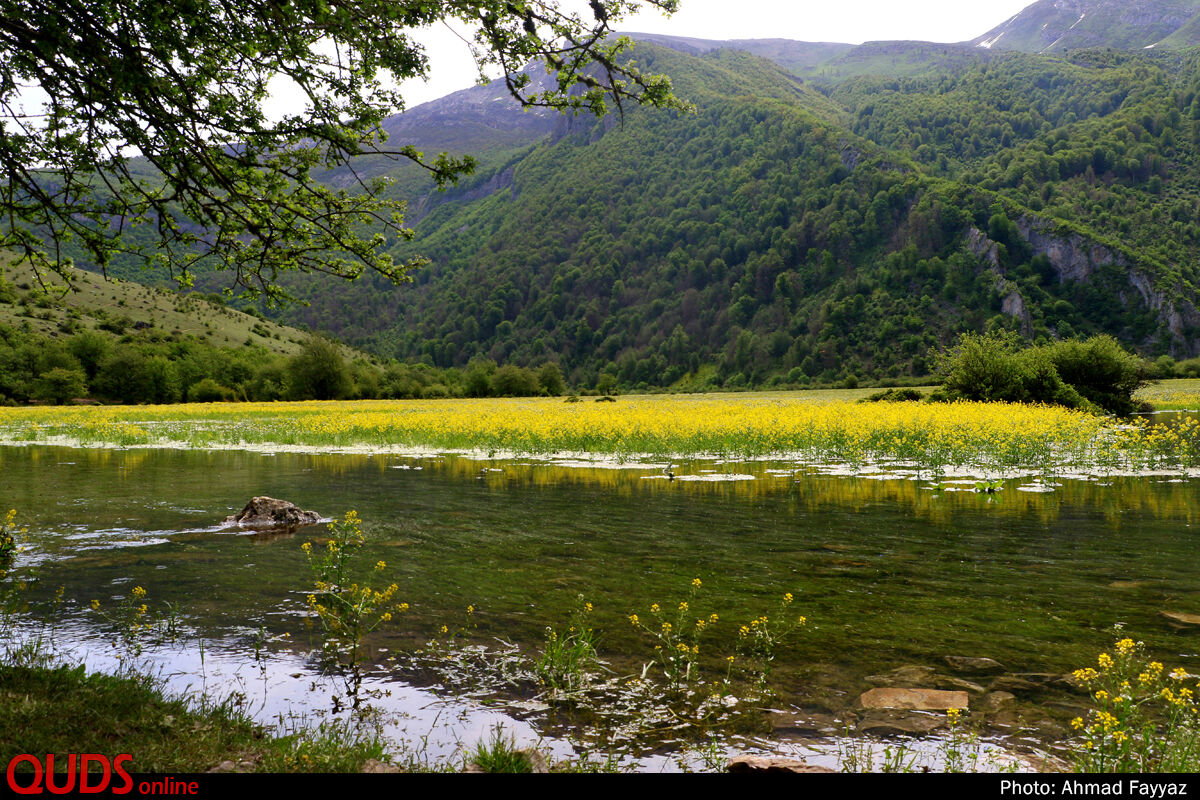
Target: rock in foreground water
<point>267,512</point>
<point>913,699</point>
<point>772,765</point>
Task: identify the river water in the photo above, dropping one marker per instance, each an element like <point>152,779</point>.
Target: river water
<point>888,572</point>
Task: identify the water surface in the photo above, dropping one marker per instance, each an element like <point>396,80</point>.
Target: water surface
<point>888,571</point>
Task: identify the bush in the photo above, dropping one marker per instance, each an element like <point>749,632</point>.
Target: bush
<point>894,396</point>
<point>1101,371</point>
<point>512,381</point>
<point>551,379</point>
<point>983,368</point>
<point>207,390</point>
<point>1093,374</point>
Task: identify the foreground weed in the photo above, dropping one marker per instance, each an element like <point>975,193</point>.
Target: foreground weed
<point>857,754</point>
<point>1144,719</point>
<point>500,754</point>
<point>10,538</point>
<point>345,604</point>
<point>568,659</point>
<point>133,624</point>
<point>962,750</point>
<point>959,750</point>
<point>332,746</point>
<point>12,590</point>
<point>678,632</point>
<point>759,638</point>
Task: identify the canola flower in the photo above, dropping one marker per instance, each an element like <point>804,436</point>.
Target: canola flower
<point>986,436</point>
<point>1143,718</point>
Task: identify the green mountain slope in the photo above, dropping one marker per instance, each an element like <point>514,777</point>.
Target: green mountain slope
<point>115,308</point>
<point>1053,26</point>
<point>780,233</point>
<point>829,211</point>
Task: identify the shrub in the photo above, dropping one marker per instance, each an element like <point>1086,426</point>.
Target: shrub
<point>551,379</point>
<point>1093,374</point>
<point>893,396</point>
<point>513,381</point>
<point>1101,371</point>
<point>59,385</point>
<point>984,368</point>
<point>206,390</point>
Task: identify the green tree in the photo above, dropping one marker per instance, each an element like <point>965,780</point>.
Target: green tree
<point>318,372</point>
<point>551,379</point>
<point>155,121</point>
<point>59,385</point>
<point>514,381</point>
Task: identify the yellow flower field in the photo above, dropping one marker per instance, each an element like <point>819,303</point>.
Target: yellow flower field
<point>786,425</point>
<point>1174,394</point>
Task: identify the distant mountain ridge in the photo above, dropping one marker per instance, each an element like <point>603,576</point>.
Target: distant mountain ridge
<point>1046,26</point>
<point>1051,26</point>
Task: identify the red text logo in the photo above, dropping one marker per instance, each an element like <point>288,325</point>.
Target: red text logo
<point>79,769</point>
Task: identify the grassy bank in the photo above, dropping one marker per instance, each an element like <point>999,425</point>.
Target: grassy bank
<point>64,709</point>
<point>1175,395</point>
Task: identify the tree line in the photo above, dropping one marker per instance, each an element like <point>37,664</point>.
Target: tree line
<point>150,367</point>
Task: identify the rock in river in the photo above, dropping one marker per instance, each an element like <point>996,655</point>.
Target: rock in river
<point>1181,619</point>
<point>977,665</point>
<point>913,699</point>
<point>267,512</point>
<point>772,765</point>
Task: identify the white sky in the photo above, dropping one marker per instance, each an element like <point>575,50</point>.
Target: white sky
<point>850,21</point>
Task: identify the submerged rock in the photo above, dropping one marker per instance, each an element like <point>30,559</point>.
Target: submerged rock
<point>996,701</point>
<point>1181,619</point>
<point>975,665</point>
<point>1011,683</point>
<point>914,677</point>
<point>913,699</point>
<point>267,512</point>
<point>799,724</point>
<point>772,764</point>
<point>890,723</point>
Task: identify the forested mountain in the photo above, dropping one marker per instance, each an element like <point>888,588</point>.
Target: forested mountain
<point>786,233</point>
<point>828,211</point>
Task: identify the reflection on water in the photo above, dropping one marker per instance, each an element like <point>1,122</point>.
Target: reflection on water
<point>889,572</point>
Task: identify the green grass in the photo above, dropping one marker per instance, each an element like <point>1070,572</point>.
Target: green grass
<point>64,709</point>
<point>1181,394</point>
<point>95,300</point>
<point>499,754</point>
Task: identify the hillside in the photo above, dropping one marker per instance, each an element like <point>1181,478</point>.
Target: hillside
<point>829,212</point>
<point>118,341</point>
<point>781,233</point>
<point>1054,26</point>
<point>116,307</point>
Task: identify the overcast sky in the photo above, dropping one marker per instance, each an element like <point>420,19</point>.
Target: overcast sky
<point>851,21</point>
